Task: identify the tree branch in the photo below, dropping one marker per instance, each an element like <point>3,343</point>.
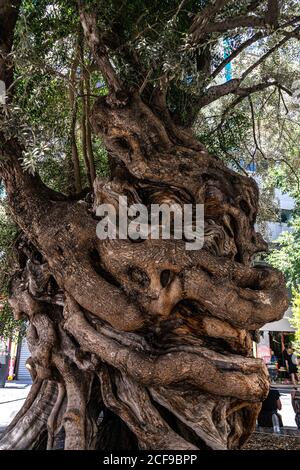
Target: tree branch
<point>249,21</point>
<point>259,149</point>
<point>233,86</point>
<point>201,21</point>
<point>98,48</point>
<point>244,93</point>
<point>217,91</point>
<point>253,5</point>
<point>236,52</point>
<point>288,36</point>
<point>11,151</point>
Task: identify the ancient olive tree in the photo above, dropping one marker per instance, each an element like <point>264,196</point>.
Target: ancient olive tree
<point>143,344</point>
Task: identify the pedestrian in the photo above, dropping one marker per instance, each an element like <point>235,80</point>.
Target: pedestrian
<point>295,358</point>
<point>274,358</point>
<point>291,366</point>
<point>273,366</point>
<point>269,416</point>
<point>295,395</point>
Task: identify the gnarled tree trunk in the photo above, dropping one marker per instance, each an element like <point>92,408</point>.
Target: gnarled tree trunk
<point>140,345</point>
<point>165,332</point>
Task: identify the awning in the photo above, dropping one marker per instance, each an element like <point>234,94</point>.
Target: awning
<point>281,325</point>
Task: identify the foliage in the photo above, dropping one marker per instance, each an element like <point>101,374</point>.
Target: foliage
<point>9,327</point>
<point>150,44</point>
<point>45,48</point>
<point>8,233</point>
<point>286,255</point>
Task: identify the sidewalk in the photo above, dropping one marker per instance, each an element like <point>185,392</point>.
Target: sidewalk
<point>12,398</point>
